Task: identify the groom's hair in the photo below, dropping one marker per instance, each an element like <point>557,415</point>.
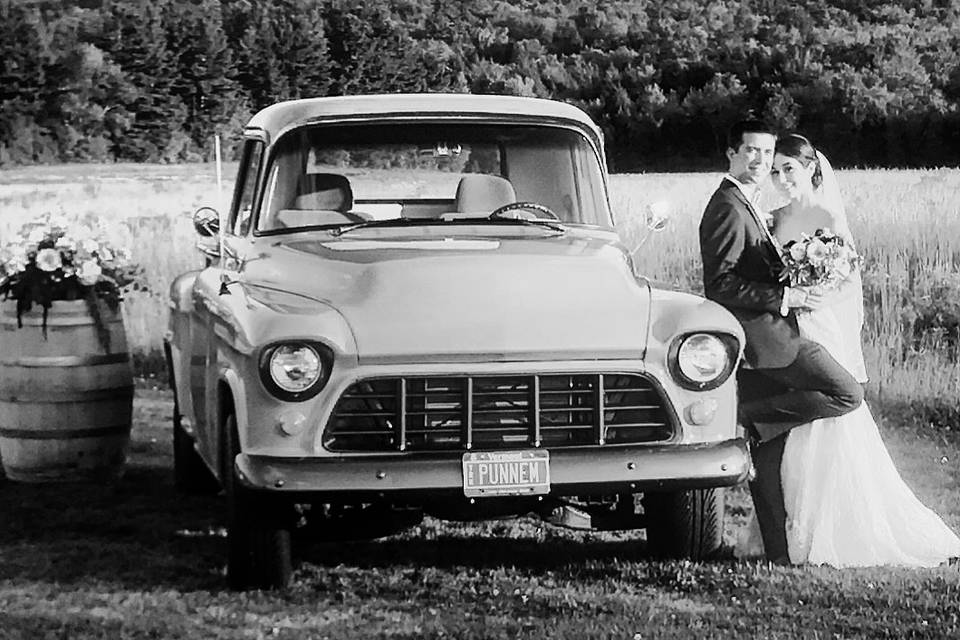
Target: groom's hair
<point>735,134</point>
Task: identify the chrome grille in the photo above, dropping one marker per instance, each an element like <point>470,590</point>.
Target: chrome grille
<point>450,413</point>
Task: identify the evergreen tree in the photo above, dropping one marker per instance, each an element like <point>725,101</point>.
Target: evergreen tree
<point>281,49</point>
<point>204,76</point>
<point>134,35</point>
<point>24,49</point>
<point>83,87</point>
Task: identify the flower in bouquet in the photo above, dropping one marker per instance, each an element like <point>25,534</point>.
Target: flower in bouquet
<point>90,271</point>
<point>822,260</point>
<point>61,258</point>
<point>49,260</point>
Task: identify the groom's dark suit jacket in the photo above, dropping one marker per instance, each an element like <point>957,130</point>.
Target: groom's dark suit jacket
<point>741,269</point>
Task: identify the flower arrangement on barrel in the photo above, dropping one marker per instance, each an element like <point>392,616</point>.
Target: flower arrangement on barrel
<point>60,258</point>
<point>68,393</point>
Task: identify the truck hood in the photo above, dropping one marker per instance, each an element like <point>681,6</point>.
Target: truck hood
<point>449,299</point>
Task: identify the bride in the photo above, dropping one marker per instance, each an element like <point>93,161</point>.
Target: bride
<point>846,504</point>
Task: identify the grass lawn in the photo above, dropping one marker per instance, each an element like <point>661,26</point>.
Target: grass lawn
<point>135,560</point>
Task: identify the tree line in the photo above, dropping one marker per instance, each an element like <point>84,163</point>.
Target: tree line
<point>874,82</point>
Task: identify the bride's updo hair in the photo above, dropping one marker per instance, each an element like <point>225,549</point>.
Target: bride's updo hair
<point>794,145</point>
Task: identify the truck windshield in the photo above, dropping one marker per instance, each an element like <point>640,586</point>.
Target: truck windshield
<point>336,175</point>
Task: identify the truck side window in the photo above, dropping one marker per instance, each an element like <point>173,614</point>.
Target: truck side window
<point>242,212</point>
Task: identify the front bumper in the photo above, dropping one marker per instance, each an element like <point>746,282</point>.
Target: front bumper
<point>580,471</point>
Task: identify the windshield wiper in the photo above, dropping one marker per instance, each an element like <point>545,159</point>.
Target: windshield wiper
<point>553,225</point>
<point>394,222</point>
<point>390,222</point>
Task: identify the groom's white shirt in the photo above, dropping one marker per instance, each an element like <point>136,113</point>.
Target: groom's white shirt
<point>752,194</point>
<point>763,219</point>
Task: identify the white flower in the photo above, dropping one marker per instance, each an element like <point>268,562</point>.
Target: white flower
<point>16,263</point>
<point>49,260</point>
<point>37,234</point>
<point>90,245</point>
<point>816,251</point>
<point>798,251</point>
<point>89,272</point>
<point>66,242</point>
<point>105,253</point>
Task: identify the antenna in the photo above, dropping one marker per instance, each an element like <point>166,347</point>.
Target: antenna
<point>220,207</point>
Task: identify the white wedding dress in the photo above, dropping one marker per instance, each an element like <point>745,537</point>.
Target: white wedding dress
<point>846,504</point>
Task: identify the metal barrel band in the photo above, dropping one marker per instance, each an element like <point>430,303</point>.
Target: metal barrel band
<point>67,361</point>
<point>77,397</point>
<point>64,434</point>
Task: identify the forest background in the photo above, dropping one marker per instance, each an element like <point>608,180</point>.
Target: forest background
<point>876,83</point>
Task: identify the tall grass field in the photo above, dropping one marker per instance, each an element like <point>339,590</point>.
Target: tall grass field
<point>907,224</point>
<point>136,560</point>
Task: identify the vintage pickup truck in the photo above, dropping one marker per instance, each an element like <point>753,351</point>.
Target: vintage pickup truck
<point>420,304</point>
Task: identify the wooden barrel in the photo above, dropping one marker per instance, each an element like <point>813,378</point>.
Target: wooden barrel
<point>66,403</point>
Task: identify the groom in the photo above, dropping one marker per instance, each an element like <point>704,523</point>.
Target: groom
<point>786,380</point>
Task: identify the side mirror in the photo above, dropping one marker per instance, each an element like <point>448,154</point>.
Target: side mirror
<point>206,221</point>
<point>656,219</point>
<point>658,215</point>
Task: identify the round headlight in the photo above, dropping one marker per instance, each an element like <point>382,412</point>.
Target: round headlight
<point>295,368</point>
<point>702,358</point>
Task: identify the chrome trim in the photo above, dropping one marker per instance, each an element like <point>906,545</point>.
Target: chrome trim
<point>572,471</point>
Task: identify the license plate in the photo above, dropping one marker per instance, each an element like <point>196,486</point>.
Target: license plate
<point>506,473</point>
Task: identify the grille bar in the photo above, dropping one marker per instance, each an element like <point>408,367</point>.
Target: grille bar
<point>403,414</point>
<point>451,413</point>
<point>598,418</point>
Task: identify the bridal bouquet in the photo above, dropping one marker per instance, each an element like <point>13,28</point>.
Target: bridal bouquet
<point>60,258</point>
<point>822,260</point>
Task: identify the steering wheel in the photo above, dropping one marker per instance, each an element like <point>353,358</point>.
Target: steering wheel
<point>514,208</point>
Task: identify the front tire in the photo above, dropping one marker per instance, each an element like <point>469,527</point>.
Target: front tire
<point>684,524</point>
<point>258,528</point>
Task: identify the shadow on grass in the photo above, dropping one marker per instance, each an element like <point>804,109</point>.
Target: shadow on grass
<point>139,533</point>
<point>136,531</point>
<point>471,546</point>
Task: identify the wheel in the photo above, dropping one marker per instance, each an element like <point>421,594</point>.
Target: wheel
<point>258,529</point>
<point>684,524</point>
<point>514,207</point>
<point>191,476</point>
